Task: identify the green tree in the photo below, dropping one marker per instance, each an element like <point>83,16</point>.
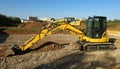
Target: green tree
<point>9,21</point>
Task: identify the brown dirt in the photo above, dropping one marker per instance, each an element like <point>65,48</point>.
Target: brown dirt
<point>116,28</point>
<point>68,57</point>
<point>33,32</point>
<point>22,31</point>
<point>44,24</point>
<point>2,51</point>
<point>27,26</point>
<point>33,25</point>
<point>83,26</point>
<point>52,56</point>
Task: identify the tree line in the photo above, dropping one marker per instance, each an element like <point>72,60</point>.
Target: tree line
<point>114,21</point>
<point>9,20</point>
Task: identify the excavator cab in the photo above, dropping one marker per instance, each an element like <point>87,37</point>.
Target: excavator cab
<point>96,37</point>
<point>96,26</point>
<point>70,19</point>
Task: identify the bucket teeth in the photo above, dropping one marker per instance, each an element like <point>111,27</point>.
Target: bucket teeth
<point>16,49</point>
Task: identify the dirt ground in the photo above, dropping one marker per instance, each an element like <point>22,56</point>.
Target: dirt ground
<point>67,57</point>
<point>33,25</point>
<point>116,28</point>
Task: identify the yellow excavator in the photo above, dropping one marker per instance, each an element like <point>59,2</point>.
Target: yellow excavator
<point>70,20</point>
<point>95,37</point>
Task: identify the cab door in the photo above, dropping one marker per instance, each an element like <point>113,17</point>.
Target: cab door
<point>96,26</point>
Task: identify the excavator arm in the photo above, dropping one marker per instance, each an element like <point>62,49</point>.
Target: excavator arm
<point>33,40</point>
<point>46,32</point>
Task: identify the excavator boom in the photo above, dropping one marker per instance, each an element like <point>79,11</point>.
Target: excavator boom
<point>46,32</point>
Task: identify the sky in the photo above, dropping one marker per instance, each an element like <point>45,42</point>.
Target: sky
<point>60,8</point>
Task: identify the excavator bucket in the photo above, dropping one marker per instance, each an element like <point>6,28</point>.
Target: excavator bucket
<point>14,50</point>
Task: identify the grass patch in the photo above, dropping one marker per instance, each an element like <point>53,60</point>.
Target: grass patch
<point>31,29</point>
<point>112,24</point>
<point>21,29</point>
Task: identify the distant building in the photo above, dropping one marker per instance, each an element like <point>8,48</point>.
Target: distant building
<point>29,19</point>
<point>22,20</point>
<point>45,19</point>
<point>32,18</point>
<point>26,21</point>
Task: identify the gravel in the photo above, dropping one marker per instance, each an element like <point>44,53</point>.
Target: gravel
<point>69,57</point>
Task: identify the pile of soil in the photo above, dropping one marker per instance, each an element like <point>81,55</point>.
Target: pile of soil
<point>22,31</point>
<point>27,27</point>
<point>114,28</point>
<point>37,26</point>
<point>33,25</point>
<point>83,26</point>
<point>34,31</point>
<point>52,56</point>
<point>2,51</point>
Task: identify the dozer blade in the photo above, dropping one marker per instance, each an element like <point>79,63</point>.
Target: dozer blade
<point>14,50</point>
<point>98,46</point>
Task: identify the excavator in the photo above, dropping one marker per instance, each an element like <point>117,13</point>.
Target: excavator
<point>94,37</point>
<point>71,20</point>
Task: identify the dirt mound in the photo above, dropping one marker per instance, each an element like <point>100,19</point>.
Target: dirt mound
<point>27,31</point>
<point>35,28</point>
<point>2,51</point>
<point>22,31</point>
<point>68,57</point>
<point>83,26</point>
<point>65,58</point>
<point>116,28</point>
<point>33,25</point>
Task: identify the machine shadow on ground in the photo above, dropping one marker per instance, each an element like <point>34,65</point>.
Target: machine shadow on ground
<point>76,61</point>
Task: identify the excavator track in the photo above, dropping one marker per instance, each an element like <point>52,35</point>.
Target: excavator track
<point>98,46</point>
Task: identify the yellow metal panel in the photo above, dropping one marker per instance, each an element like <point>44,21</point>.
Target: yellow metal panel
<point>32,40</point>
<point>95,40</point>
<point>76,23</point>
<point>104,38</point>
